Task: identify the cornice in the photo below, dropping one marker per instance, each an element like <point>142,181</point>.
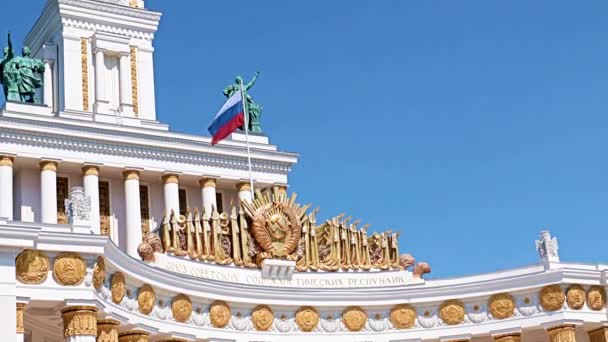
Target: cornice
<point>113,9</point>
<point>59,141</point>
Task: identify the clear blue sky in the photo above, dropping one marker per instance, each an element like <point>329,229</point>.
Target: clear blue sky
<point>468,126</point>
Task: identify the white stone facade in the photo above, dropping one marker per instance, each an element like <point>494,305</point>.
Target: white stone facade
<point>98,126</point>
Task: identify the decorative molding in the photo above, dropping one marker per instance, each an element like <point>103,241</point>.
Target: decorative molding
<point>596,298</point>
<point>403,316</point>
<point>354,318</point>
<point>146,298</point>
<point>134,151</point>
<point>307,318</point>
<point>575,297</point>
<point>502,305</point>
<point>113,9</point>
<point>219,314</point>
<point>84,60</point>
<point>452,312</point>
<point>134,84</point>
<point>118,287</point>
<point>262,317</point>
<point>181,307</point>
<point>99,273</point>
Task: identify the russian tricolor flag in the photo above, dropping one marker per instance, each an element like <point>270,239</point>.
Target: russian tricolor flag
<point>230,117</point>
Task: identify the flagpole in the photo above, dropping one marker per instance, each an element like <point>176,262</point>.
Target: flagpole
<point>244,99</point>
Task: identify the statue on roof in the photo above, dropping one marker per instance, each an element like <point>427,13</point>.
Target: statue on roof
<point>254,110</point>
<point>18,74</point>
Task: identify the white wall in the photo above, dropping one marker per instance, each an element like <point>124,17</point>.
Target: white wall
<point>27,195</point>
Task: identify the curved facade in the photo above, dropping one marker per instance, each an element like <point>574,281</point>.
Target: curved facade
<point>114,228</point>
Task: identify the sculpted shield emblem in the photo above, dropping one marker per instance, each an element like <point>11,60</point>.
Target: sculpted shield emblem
<point>277,223</point>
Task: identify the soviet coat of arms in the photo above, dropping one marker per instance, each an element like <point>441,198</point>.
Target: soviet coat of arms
<point>276,224</point>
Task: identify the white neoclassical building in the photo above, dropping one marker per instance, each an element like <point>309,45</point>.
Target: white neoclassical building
<point>114,228</point>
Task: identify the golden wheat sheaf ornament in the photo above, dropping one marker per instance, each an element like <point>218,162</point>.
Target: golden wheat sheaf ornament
<point>276,223</point>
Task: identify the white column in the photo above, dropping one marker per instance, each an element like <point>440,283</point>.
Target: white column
<point>100,93</point>
<point>80,323</point>
<point>90,180</point>
<point>208,193</point>
<point>126,98</point>
<point>6,187</point>
<point>244,189</point>
<point>48,191</point>
<point>133,210</point>
<point>171,187</point>
<point>48,83</point>
<point>8,299</point>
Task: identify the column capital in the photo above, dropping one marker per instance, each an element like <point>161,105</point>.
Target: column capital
<point>133,336</point>
<point>562,333</point>
<point>49,165</point>
<point>243,186</point>
<point>90,170</point>
<point>170,178</point>
<point>79,320</point>
<point>107,330</point>
<point>207,182</point>
<point>6,160</point>
<point>129,174</point>
<point>599,335</point>
<point>513,337</point>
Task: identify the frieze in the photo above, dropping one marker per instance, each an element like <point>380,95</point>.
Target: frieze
<point>299,280</point>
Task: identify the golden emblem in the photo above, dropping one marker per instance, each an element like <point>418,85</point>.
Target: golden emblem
<point>307,318</point>
<point>99,273</point>
<point>575,297</point>
<point>354,318</point>
<point>277,224</point>
<point>403,316</point>
<point>181,308</point>
<point>219,314</point>
<point>552,297</point>
<point>452,312</point>
<point>145,299</point>
<point>118,287</point>
<point>69,269</point>
<point>596,298</point>
<point>502,305</point>
<point>32,267</point>
<point>262,317</point>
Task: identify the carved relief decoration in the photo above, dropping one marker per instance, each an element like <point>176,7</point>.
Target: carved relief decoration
<point>552,297</point>
<point>20,329</point>
<point>307,318</point>
<point>118,287</point>
<point>403,316</point>
<point>452,312</point>
<point>145,299</point>
<point>502,305</point>
<point>84,64</point>
<point>219,314</point>
<point>354,318</point>
<point>596,298</point>
<point>262,317</point>
<point>134,86</point>
<point>575,297</point>
<point>99,273</point>
<point>32,267</point>
<point>69,269</point>
<point>277,224</point>
<point>181,307</point>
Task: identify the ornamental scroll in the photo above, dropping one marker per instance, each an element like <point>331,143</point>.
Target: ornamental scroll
<point>274,226</point>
